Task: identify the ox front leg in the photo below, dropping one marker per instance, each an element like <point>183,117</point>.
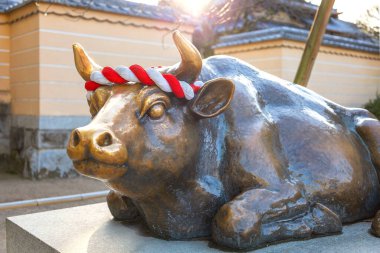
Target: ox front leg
<point>375,228</point>
<point>259,216</point>
<point>121,207</point>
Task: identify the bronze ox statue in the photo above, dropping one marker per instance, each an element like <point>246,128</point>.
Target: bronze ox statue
<point>251,160</point>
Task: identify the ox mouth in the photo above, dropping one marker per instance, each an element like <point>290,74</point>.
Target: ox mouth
<point>99,170</point>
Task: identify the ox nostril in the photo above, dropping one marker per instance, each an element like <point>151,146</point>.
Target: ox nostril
<point>104,139</point>
<point>76,138</point>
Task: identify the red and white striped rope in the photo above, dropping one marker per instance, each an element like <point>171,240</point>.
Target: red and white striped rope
<point>137,74</point>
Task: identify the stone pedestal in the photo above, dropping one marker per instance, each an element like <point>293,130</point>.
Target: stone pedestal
<point>91,229</point>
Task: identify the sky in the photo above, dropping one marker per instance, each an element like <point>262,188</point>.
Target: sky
<point>351,9</point>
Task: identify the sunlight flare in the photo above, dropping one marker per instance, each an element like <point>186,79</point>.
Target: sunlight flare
<point>193,7</point>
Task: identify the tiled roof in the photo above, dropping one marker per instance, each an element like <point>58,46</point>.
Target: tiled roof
<point>304,22</point>
<point>296,34</point>
<point>114,6</point>
<point>8,4</point>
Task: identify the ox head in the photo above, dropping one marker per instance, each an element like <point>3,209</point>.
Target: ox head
<point>140,135</point>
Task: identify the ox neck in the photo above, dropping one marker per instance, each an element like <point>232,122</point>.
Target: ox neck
<point>181,203</point>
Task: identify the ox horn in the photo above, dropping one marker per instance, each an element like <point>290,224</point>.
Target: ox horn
<point>84,64</point>
<point>191,61</point>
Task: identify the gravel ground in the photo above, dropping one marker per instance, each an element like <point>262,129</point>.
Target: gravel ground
<point>14,188</point>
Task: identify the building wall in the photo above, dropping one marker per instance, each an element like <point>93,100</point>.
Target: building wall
<point>48,95</point>
<point>24,61</point>
<point>347,77</point>
<point>5,96</point>
<point>61,88</point>
<point>24,88</point>
<point>4,59</point>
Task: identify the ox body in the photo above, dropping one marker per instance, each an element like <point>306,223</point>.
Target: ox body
<point>252,160</point>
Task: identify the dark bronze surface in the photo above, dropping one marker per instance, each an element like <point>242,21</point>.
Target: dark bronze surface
<point>375,228</point>
<point>252,160</point>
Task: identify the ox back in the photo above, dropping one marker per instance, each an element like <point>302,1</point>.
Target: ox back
<point>297,135</point>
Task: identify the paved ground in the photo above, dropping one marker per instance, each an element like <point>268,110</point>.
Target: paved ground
<point>13,188</point>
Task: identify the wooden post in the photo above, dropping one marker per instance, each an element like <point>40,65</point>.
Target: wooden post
<point>313,43</point>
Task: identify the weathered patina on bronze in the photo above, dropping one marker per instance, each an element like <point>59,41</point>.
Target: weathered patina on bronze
<point>252,160</point>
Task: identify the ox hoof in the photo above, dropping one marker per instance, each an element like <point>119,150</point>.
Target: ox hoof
<point>324,221</point>
<point>234,229</point>
<point>375,228</point>
<point>121,207</point>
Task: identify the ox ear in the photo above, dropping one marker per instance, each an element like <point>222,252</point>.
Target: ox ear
<point>213,98</point>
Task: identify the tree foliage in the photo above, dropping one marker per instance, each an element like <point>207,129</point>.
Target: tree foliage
<point>370,21</point>
<point>244,15</point>
<point>374,106</point>
<point>223,17</point>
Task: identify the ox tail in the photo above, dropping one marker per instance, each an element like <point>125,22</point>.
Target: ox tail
<point>368,128</point>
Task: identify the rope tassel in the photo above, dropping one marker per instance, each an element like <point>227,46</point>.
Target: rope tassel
<point>137,74</point>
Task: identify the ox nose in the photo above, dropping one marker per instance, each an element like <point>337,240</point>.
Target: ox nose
<point>100,145</point>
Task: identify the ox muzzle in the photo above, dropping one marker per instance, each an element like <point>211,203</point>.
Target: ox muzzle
<point>87,143</point>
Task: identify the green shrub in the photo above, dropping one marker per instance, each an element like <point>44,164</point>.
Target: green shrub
<point>374,106</point>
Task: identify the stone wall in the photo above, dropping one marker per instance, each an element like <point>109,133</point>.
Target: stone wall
<point>5,123</point>
<point>40,143</point>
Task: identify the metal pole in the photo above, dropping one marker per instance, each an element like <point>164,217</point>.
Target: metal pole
<point>313,43</point>
<point>52,200</point>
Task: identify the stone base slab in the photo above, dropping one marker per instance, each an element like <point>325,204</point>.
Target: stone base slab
<point>91,229</point>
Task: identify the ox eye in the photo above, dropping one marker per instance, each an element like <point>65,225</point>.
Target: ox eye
<point>156,111</point>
